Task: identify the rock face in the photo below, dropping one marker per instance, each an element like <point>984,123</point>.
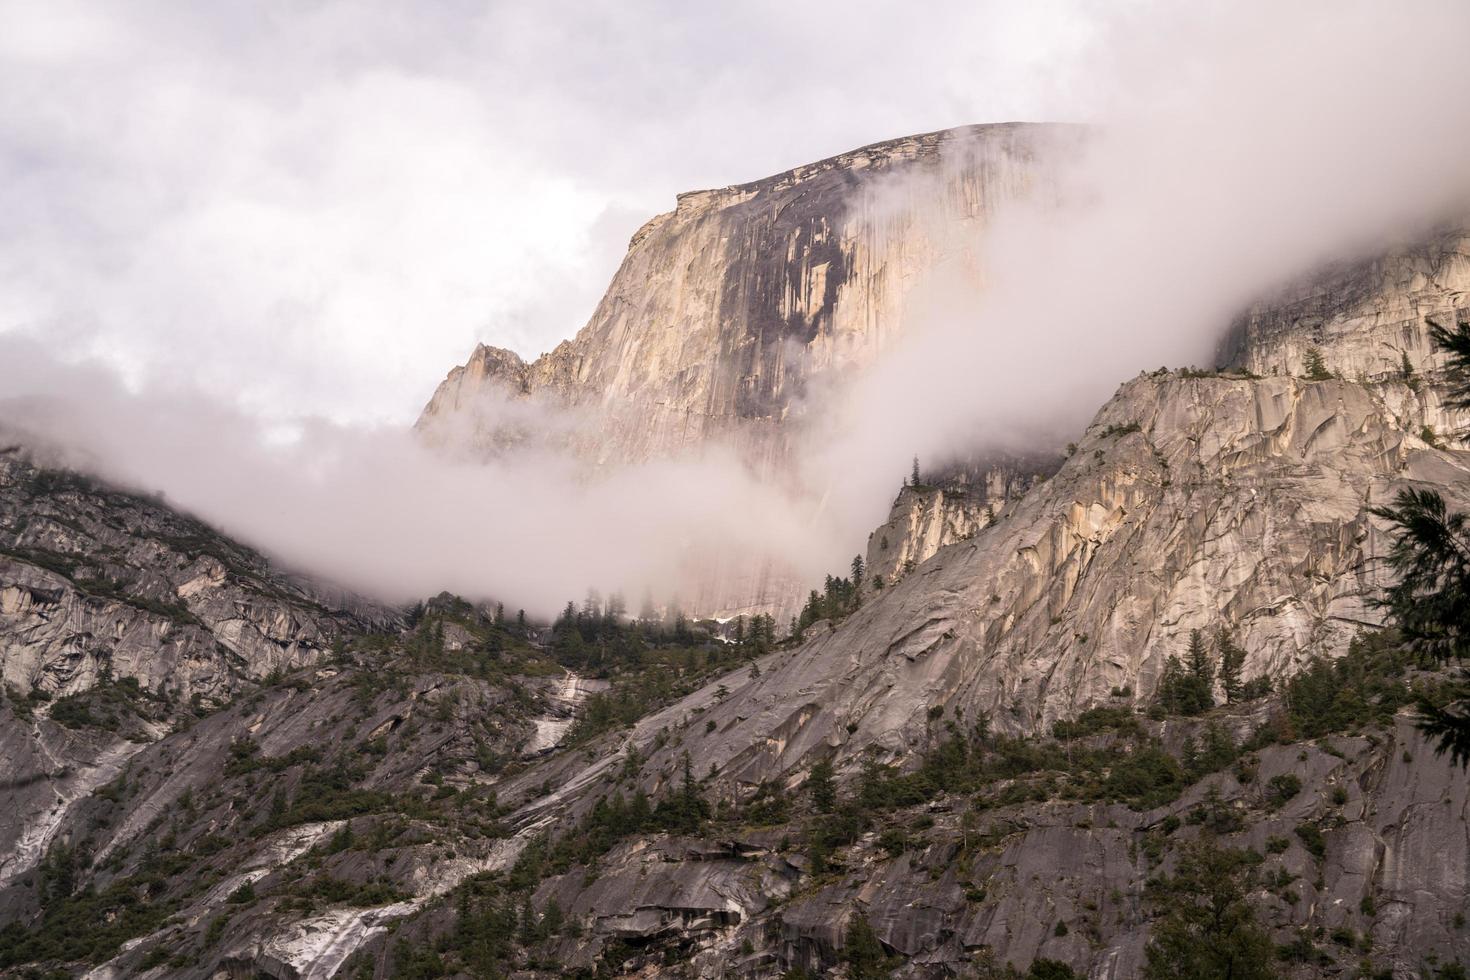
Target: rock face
<point>1367,318</point>
<point>98,586</point>
<point>729,308</point>
<point>733,309</point>
<point>1191,503</point>
<point>954,506</point>
<point>1061,881</point>
<point>94,581</point>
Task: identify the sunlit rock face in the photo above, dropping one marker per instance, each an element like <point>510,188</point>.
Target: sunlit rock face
<point>728,308</point>
<point>1367,319</point>
<point>733,313</point>
<point>953,505</point>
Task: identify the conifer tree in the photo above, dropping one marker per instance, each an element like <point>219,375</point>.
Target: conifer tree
<point>1430,605</point>
<point>1169,694</point>
<point>530,931</point>
<point>1315,366</point>
<point>1201,676</point>
<point>823,789</point>
<point>1232,665</point>
<point>1209,928</point>
<point>863,952</point>
<point>552,920</point>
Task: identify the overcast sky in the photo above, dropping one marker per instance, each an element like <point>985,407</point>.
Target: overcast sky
<point>319,208</point>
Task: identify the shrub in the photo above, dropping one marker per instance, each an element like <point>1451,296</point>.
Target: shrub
<point>1281,789</point>
<point>1312,839</point>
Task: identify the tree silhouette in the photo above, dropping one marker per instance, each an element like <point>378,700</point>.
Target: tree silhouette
<point>1431,554</point>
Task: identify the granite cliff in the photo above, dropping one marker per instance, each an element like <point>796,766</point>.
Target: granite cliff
<point>732,312</point>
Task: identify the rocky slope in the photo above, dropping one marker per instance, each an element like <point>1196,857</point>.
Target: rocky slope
<point>373,813</point>
<point>1191,503</point>
<point>967,889</point>
<point>114,605</point>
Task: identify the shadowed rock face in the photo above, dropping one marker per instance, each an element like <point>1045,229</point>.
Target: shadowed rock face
<point>99,586</point>
<point>991,889</point>
<point>95,580</point>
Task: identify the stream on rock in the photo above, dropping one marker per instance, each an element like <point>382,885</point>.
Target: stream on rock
<point>563,702</point>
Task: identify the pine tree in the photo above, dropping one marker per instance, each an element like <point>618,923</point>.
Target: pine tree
<point>1456,344</point>
<point>1232,665</point>
<point>1406,368</point>
<point>863,952</point>
<point>552,919</point>
<point>857,573</point>
<point>686,810</point>
<point>916,479</point>
<point>1431,605</point>
<point>1315,366</point>
<point>1169,695</point>
<point>1209,928</point>
<point>1201,676</point>
<point>640,811</point>
<point>530,932</point>
<point>500,614</point>
<point>823,788</point>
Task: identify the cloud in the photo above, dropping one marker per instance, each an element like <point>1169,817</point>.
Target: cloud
<point>378,511</point>
<point>1243,145</point>
<point>318,208</point>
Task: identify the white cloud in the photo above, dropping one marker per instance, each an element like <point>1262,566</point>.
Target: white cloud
<point>319,208</point>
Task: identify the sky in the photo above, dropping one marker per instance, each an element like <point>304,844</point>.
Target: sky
<point>318,208</point>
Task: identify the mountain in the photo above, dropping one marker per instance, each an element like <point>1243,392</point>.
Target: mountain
<point>726,310</point>
<point>983,767</point>
<point>729,312</point>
